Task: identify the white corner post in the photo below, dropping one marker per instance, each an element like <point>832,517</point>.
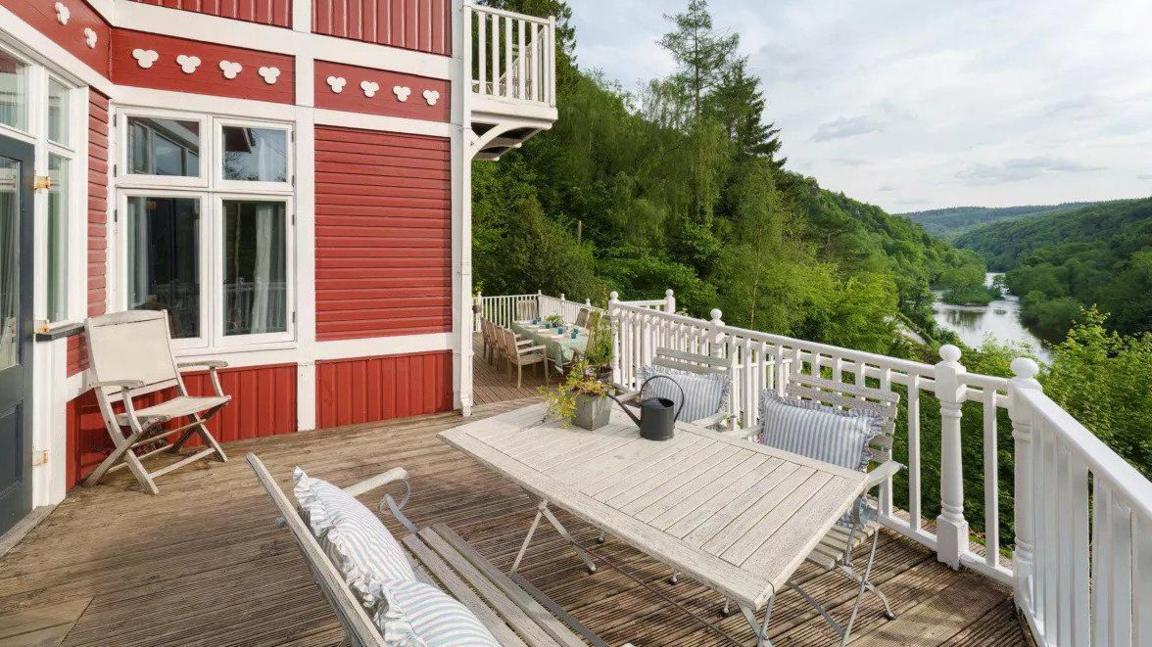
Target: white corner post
<point>613,298</point>
<point>463,320</point>
<point>1021,415</point>
<point>951,527</point>
<point>670,302</point>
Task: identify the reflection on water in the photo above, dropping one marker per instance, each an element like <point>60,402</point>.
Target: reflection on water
<point>999,319</point>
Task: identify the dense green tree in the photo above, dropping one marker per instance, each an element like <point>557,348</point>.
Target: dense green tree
<point>701,53</point>
<point>738,104</point>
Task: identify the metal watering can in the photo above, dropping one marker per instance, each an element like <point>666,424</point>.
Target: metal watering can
<point>657,421</point>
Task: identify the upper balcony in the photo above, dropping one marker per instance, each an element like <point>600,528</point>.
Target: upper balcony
<point>512,59</point>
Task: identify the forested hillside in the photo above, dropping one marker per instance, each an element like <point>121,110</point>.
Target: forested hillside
<point>680,185</point>
<point>1099,255</point>
<point>952,222</point>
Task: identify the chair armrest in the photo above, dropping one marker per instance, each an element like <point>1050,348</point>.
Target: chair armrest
<point>531,349</point>
<point>204,363</point>
<point>118,384</point>
<point>378,481</point>
<point>711,421</point>
<point>748,433</point>
<point>880,474</point>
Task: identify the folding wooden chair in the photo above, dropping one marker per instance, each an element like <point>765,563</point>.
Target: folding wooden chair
<point>130,355</point>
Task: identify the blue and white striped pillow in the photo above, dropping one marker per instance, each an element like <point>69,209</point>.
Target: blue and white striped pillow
<point>819,432</point>
<point>354,538</point>
<point>705,395</point>
<point>423,616</point>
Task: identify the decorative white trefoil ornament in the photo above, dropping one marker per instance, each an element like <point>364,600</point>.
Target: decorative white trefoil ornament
<point>62,13</point>
<point>402,92</point>
<point>145,58</point>
<point>188,64</point>
<point>230,69</point>
<point>432,97</point>
<point>90,37</point>
<point>370,88</point>
<point>337,83</point>
<point>270,74</point>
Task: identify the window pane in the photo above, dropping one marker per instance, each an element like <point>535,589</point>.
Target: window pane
<point>13,92</point>
<point>255,290</point>
<point>255,154</point>
<point>9,263</point>
<point>58,238</point>
<point>164,260</point>
<point>57,112</point>
<point>163,147</point>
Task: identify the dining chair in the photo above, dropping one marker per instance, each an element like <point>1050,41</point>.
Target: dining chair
<point>521,354</point>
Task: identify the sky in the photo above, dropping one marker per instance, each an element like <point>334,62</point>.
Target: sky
<point>916,105</point>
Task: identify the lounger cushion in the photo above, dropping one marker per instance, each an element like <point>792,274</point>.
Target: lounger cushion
<point>705,395</point>
<point>817,431</point>
<point>422,615</point>
<point>354,538</point>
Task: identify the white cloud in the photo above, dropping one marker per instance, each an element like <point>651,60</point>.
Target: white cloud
<point>982,102</point>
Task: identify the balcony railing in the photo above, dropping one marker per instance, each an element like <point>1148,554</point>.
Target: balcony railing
<point>1081,561</point>
<point>512,56</point>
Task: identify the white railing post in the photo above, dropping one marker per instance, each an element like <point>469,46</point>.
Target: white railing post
<point>951,527</point>
<point>716,338</point>
<point>478,311</point>
<point>1021,415</point>
<point>614,325</point>
<point>670,302</point>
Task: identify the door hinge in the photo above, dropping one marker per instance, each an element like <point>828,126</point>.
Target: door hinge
<point>115,215</point>
<point>43,182</point>
<point>115,170</point>
<point>39,457</point>
<point>293,317</point>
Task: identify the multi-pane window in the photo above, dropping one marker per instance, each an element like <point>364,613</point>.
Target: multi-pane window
<point>57,236</point>
<point>57,113</point>
<point>207,233</point>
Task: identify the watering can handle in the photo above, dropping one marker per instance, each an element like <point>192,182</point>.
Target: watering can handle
<point>667,377</point>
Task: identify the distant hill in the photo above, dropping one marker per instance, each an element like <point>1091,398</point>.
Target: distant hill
<point>950,223</point>
<point>1096,255</point>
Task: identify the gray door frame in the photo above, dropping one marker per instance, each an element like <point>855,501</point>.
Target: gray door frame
<point>16,381</point>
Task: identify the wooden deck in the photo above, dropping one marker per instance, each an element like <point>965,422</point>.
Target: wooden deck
<point>204,564</point>
<point>492,385</point>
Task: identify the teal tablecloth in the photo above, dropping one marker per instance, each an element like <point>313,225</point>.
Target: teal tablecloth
<point>561,349</point>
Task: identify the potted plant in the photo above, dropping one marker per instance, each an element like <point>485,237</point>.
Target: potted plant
<point>582,398</point>
<point>554,321</point>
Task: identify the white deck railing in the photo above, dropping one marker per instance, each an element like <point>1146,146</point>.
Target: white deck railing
<point>1081,564</point>
<point>513,55</point>
<point>504,309</point>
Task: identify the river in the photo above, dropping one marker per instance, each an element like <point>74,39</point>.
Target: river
<point>999,319</point>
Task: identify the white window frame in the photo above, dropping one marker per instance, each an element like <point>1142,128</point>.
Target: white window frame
<point>289,334</point>
<point>204,258</point>
<point>212,191</point>
<point>242,186</point>
<point>28,133</point>
<point>75,270</point>
<point>124,176</point>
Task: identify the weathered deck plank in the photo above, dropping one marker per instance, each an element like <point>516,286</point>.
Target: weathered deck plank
<point>203,564</point>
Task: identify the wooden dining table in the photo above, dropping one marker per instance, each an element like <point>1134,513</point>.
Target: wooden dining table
<point>732,514</point>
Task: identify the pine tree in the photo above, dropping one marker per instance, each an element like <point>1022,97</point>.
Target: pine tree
<point>701,52</point>
<point>738,103</point>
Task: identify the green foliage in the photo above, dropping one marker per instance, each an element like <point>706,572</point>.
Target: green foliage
<point>1099,255</point>
<point>581,382</point>
<point>955,221</point>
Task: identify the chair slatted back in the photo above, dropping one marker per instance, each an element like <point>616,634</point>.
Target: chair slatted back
<point>132,345</point>
<point>582,318</point>
<point>691,362</point>
<point>358,627</point>
<point>851,397</point>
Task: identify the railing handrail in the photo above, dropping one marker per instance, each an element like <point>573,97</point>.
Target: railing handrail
<point>504,13</point>
<point>1100,459</point>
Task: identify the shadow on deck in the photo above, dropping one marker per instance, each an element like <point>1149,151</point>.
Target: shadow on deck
<point>491,384</point>
<point>204,564</point>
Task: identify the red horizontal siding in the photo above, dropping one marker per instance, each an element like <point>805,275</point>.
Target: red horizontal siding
<point>383,238</point>
<point>263,404</point>
<point>355,391</point>
<point>97,253</point>
<point>421,25</point>
<point>166,74</point>
<point>264,12</point>
<point>41,15</point>
<point>384,101</point>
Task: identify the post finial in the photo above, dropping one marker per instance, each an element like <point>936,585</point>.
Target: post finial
<point>613,296</point>
<point>669,293</point>
<point>716,315</point>
<point>950,353</point>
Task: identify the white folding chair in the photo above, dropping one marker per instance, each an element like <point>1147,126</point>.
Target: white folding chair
<point>130,355</point>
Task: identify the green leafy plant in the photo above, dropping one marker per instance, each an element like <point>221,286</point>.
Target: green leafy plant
<point>581,381</point>
<point>554,320</point>
<point>598,352</point>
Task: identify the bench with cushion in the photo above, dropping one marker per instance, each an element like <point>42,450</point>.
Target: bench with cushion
<point>511,609</point>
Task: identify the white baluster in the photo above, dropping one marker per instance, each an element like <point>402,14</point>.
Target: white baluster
<point>1021,415</point>
<point>951,527</point>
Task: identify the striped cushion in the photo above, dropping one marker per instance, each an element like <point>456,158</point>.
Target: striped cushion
<point>817,431</point>
<point>704,395</point>
<point>422,616</point>
<point>354,538</point>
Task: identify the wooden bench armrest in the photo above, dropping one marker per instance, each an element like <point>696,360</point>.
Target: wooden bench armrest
<point>748,433</point>
<point>118,384</point>
<point>881,474</point>
<point>203,363</point>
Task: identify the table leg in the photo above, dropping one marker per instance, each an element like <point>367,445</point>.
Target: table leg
<point>760,630</point>
<point>543,511</point>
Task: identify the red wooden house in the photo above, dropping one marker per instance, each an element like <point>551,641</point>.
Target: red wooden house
<point>289,179</point>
